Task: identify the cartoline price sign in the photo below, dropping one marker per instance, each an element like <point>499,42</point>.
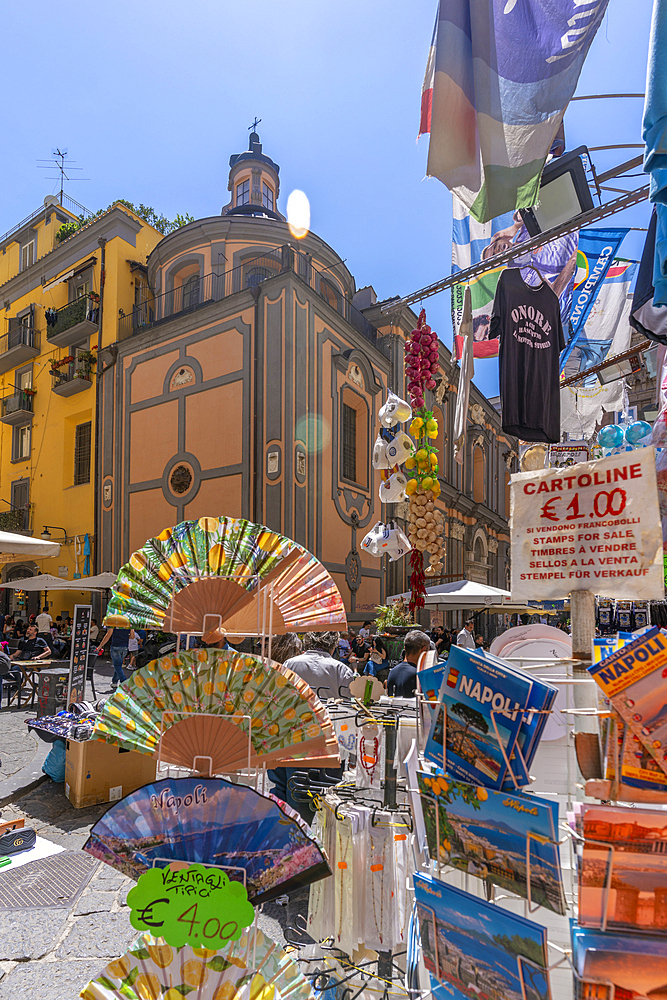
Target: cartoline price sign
<point>593,526</point>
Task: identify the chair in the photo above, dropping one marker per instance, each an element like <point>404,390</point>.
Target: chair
<point>10,684</point>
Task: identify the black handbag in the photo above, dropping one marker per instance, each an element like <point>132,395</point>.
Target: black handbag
<point>17,841</point>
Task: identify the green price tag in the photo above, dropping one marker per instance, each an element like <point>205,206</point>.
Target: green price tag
<point>194,905</point>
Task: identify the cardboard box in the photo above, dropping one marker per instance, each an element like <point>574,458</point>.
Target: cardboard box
<point>100,772</point>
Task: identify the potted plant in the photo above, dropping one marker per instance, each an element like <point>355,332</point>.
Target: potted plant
<point>394,619</point>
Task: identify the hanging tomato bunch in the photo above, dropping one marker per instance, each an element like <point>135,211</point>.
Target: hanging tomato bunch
<point>426,524</point>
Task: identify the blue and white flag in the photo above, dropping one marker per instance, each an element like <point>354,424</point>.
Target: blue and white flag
<point>597,249</point>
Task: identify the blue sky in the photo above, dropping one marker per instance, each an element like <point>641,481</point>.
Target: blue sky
<point>151,99</point>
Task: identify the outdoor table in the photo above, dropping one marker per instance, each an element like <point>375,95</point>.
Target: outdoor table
<point>30,670</point>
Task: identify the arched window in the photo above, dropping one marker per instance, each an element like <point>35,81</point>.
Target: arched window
<point>255,275</point>
<point>478,552</point>
<point>191,292</point>
<point>353,437</point>
<point>330,294</point>
<point>478,475</point>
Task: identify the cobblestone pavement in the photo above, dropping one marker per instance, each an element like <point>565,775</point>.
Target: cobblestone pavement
<point>17,745</point>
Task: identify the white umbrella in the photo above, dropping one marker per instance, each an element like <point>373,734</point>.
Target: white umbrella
<point>47,582</point>
<point>461,594</point>
<point>14,547</point>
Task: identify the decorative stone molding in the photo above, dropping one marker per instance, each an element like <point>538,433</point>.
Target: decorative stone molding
<point>492,544</point>
<point>479,440</point>
<point>457,530</point>
<point>402,510</point>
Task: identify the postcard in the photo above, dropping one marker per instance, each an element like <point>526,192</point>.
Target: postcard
<point>486,834</point>
<point>484,700</point>
<point>623,869</point>
<point>477,949</point>
<point>634,679</point>
<point>636,965</point>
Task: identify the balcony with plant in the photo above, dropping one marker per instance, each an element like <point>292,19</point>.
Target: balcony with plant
<point>73,373</point>
<point>75,321</point>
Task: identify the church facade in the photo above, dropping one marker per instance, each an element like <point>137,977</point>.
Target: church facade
<point>246,381</point>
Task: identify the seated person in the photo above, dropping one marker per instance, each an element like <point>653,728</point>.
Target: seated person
<point>32,647</point>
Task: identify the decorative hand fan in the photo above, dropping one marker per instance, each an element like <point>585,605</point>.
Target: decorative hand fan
<point>253,968</point>
<point>231,691</point>
<point>213,822</point>
<point>219,566</point>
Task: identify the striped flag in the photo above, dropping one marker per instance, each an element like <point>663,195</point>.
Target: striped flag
<point>427,86</point>
<point>503,74</point>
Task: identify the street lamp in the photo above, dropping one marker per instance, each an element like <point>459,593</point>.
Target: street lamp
<point>46,534</point>
<point>564,193</point>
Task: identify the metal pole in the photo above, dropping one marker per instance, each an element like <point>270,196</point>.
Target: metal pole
<point>390,736</point>
<point>582,613</point>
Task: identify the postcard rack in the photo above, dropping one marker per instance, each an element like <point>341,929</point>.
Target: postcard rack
<point>418,794</point>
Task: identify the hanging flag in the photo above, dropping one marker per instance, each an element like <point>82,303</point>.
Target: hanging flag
<point>504,73</point>
<point>427,86</point>
<point>473,242</point>
<point>597,249</point>
<point>648,319</point>
<point>607,332</point>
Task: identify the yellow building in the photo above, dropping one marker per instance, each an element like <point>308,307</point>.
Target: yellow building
<point>61,299</point>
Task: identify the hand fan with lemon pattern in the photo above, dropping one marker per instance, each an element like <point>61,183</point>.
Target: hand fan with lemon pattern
<point>235,709</point>
<point>253,968</point>
<point>189,575</point>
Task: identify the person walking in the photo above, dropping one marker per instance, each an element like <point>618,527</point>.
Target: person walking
<point>465,637</point>
<point>402,680</point>
<point>44,621</point>
<point>120,638</point>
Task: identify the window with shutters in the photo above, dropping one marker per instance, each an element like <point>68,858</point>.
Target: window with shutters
<point>478,491</point>
<point>27,255</point>
<point>349,442</point>
<point>82,439</point>
<point>21,499</point>
<point>21,442</point>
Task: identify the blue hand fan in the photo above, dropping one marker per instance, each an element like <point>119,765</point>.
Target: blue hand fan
<point>211,821</point>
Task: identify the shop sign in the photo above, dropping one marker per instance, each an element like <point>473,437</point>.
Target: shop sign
<point>592,526</point>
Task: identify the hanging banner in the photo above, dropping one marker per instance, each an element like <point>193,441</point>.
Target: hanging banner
<point>503,74</point>
<point>595,254</point>
<point>593,526</point>
<point>474,242</point>
<point>607,332</point>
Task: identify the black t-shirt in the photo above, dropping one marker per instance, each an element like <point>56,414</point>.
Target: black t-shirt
<point>402,680</point>
<point>30,648</point>
<point>527,322</point>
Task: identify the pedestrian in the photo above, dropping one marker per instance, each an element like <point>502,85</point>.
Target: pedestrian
<point>134,642</point>
<point>44,621</point>
<point>317,666</point>
<point>402,680</point>
<point>328,678</point>
<point>94,629</point>
<point>465,637</point>
<point>120,638</point>
<point>443,643</point>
